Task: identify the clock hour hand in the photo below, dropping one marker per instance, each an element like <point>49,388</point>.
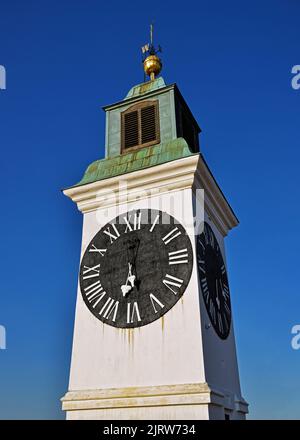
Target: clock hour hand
<point>128,286</point>
<point>125,289</point>
<point>130,278</point>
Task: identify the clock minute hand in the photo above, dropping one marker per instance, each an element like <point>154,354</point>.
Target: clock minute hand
<point>135,253</point>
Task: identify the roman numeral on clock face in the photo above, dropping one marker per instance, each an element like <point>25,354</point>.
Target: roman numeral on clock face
<point>112,235</point>
<point>220,323</point>
<point>227,309</point>
<point>90,272</point>
<point>170,282</point>
<point>201,265</point>
<point>155,302</point>
<point>209,237</point>
<point>178,257</point>
<point>110,309</point>
<point>136,222</point>
<point>154,223</point>
<point>205,290</point>
<point>171,235</point>
<point>225,292</point>
<point>93,248</point>
<point>212,311</point>
<point>94,293</point>
<point>133,313</point>
<point>201,244</point>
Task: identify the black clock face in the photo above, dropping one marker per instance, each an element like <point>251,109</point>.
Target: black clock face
<point>214,281</point>
<point>136,268</point>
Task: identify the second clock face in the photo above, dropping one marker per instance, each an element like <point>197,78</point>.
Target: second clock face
<point>136,268</point>
<point>214,281</point>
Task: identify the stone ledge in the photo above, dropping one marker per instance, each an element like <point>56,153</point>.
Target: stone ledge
<point>129,397</point>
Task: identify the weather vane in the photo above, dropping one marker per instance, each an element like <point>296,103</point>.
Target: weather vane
<point>152,63</point>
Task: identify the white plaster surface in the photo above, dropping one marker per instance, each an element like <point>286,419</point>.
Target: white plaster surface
<point>176,349</point>
<point>167,351</point>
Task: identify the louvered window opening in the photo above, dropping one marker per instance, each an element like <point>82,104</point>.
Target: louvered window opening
<point>131,126</point>
<point>140,127</point>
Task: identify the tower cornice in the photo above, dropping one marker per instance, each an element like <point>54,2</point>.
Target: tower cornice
<point>189,172</point>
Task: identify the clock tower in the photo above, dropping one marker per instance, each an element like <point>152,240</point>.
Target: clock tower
<point>153,336</point>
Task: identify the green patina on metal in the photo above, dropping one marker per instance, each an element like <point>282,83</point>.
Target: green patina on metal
<point>146,87</point>
<point>171,146</point>
<point>137,160</point>
<point>151,90</point>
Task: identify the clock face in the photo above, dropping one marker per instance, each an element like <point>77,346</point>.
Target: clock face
<point>214,281</point>
<point>136,268</point>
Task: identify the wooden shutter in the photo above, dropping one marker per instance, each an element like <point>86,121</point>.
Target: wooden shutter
<point>140,125</point>
<point>131,129</point>
<point>148,124</point>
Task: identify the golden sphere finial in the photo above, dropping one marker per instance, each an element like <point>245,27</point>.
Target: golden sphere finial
<point>152,66</point>
<point>152,63</point>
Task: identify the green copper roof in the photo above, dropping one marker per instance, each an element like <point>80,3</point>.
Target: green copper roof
<point>146,87</point>
<point>137,160</point>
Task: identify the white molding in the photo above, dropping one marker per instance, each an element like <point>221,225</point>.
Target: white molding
<point>151,396</point>
<point>189,172</point>
<point>216,205</point>
<point>164,395</point>
<point>174,175</point>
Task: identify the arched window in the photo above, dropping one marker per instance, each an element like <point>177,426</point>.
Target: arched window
<point>140,126</point>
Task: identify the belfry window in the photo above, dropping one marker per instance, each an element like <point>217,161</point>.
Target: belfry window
<point>140,126</point>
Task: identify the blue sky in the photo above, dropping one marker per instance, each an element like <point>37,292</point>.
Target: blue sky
<point>232,62</point>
